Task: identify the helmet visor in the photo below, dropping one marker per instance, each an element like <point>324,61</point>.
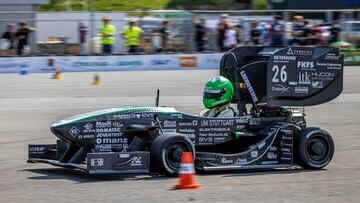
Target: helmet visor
<point>213,94</point>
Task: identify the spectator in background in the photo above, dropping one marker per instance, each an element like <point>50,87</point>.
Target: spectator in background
<point>318,33</point>
<point>309,33</point>
<point>255,33</point>
<point>221,29</point>
<point>7,40</point>
<point>132,35</point>
<point>107,35</point>
<point>200,35</point>
<point>82,36</point>
<point>238,29</point>
<point>166,33</point>
<point>297,30</point>
<point>334,32</point>
<point>230,36</point>
<point>22,35</point>
<point>276,32</point>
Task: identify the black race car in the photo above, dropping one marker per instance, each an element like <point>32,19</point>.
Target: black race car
<point>268,133</point>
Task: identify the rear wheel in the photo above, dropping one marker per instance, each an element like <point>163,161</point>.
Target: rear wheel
<point>166,152</point>
<point>314,148</point>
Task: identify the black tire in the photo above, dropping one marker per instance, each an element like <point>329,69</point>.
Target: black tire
<point>166,151</point>
<point>314,148</point>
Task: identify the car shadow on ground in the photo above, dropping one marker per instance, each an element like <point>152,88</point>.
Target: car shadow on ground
<point>83,177</point>
<point>259,172</point>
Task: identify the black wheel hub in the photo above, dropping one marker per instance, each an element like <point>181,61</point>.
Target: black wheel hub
<point>174,153</point>
<point>318,149</point>
<point>177,153</point>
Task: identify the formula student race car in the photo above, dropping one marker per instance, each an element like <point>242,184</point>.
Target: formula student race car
<point>268,133</point>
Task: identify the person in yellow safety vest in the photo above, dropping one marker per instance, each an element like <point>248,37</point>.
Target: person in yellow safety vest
<point>132,35</point>
<point>107,33</point>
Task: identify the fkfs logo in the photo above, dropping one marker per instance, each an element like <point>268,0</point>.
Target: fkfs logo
<point>188,61</point>
<point>157,62</point>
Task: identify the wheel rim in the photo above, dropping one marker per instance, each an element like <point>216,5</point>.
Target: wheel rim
<point>318,149</point>
<point>174,152</point>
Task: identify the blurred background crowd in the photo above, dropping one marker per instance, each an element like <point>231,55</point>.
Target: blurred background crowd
<point>173,31</point>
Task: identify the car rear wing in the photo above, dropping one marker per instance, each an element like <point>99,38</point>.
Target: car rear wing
<point>284,76</point>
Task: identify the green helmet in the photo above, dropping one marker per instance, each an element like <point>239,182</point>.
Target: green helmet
<point>217,91</point>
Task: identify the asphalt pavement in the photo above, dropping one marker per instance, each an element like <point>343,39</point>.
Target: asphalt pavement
<point>30,104</point>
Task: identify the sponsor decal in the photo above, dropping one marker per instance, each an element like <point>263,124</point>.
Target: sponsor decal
<point>176,115</point>
<point>74,131</point>
<point>205,139</point>
<point>89,128</point>
<point>136,161</point>
<point>118,124</point>
<point>269,162</point>
<point>188,61</point>
<point>271,155</point>
<point>261,145</point>
<point>190,123</point>
<point>280,88</point>
<point>302,90</point>
<point>108,130</point>
<point>124,156</point>
<point>249,86</point>
<point>272,148</point>
<point>169,124</point>
<point>317,84</point>
<point>169,130</point>
<point>89,63</point>
<point>111,140</point>
<point>285,150</point>
<point>241,161</point>
<point>330,66</point>
<point>156,62</point>
<point>323,75</point>
<point>217,123</point>
<point>332,56</point>
<point>285,58</point>
<point>187,130</point>
<point>254,154</point>
<point>214,61</point>
<point>129,63</point>
<point>300,52</point>
<point>122,116</point>
<point>103,124</point>
<point>304,78</point>
<point>226,161</point>
<point>37,149</point>
<point>305,64</point>
<point>255,121</point>
<point>97,162</point>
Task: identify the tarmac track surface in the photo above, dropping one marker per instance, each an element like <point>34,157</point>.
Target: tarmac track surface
<point>30,104</point>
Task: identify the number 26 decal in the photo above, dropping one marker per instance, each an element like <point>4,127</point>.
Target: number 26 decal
<point>282,76</point>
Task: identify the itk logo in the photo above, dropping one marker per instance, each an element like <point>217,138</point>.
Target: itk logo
<point>304,78</point>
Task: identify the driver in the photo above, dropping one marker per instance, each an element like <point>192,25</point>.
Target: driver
<point>218,93</point>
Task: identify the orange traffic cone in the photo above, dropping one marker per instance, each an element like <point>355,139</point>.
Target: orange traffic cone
<point>186,173</point>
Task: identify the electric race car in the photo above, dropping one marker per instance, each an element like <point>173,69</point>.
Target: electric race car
<point>272,86</point>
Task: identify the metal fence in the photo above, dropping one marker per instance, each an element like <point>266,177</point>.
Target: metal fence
<point>57,33</point>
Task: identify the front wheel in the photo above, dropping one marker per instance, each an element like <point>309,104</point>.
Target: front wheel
<point>314,148</point>
<point>166,152</point>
